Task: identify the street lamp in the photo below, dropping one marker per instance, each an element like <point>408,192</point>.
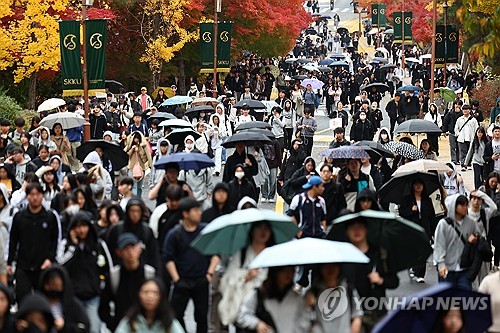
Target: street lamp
<point>360,10</point>
<point>86,126</point>
<point>217,9</point>
<point>445,7</point>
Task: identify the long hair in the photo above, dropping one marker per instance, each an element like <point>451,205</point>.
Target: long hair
<point>163,313</point>
<point>476,141</point>
<point>438,324</point>
<point>270,285</point>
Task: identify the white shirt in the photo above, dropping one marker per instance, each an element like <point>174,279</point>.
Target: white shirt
<point>495,144</point>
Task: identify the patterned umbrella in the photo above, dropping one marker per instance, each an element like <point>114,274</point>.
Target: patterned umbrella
<point>404,149</point>
<point>346,152</point>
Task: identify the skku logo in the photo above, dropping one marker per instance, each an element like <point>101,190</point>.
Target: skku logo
<point>332,303</point>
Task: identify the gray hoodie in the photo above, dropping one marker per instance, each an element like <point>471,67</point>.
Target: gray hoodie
<point>448,247</point>
<point>156,175</point>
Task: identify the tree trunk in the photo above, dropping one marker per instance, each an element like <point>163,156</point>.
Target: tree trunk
<point>182,77</point>
<point>32,92</point>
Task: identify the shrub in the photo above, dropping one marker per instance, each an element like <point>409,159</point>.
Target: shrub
<point>9,109</point>
<point>487,95</point>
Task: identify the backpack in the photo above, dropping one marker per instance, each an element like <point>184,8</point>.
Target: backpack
<point>114,276</point>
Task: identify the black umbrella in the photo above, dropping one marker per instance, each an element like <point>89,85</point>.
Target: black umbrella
<point>195,110</point>
<point>162,116</point>
<point>325,69</point>
<point>264,132</point>
<point>177,136</point>
<point>114,87</point>
<point>311,31</point>
<point>342,31</point>
<point>303,61</point>
<point>406,243</point>
<point>249,138</point>
<point>381,60</point>
<point>417,126</point>
<point>380,87</point>
<point>375,146</point>
<point>388,66</point>
<point>250,103</point>
<point>253,124</point>
<point>112,151</point>
<point>399,186</point>
<point>325,17</point>
<point>299,77</point>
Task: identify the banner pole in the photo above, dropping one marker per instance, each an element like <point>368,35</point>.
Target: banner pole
<point>433,56</point>
<point>86,126</point>
<point>216,39</point>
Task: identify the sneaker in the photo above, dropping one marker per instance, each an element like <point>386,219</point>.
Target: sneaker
<point>263,200</point>
<point>272,200</point>
<point>456,163</point>
<point>463,169</point>
<point>420,280</point>
<point>298,289</point>
<point>412,274</point>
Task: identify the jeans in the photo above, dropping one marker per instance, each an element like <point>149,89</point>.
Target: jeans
<point>457,278</point>
<point>137,187</point>
<point>463,148</point>
<point>72,156</point>
<point>218,159</point>
<point>92,307</point>
<point>197,290</point>
<point>269,186</point>
<point>453,148</point>
<point>478,175</point>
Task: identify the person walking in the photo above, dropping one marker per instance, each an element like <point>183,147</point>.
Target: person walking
<point>448,128</point>
<point>139,154</point>
<point>465,129</point>
<point>475,156</point>
<point>307,126</point>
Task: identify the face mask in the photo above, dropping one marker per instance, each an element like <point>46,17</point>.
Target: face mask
<point>383,136</point>
<point>32,328</point>
<point>239,174</point>
<point>53,294</point>
<point>362,117</point>
<point>189,146</point>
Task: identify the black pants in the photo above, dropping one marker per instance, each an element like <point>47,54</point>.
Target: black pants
<point>288,138</point>
<point>420,270</point>
<point>434,141</point>
<point>26,282</point>
<point>197,290</point>
<point>308,144</point>
<point>393,125</point>
<point>478,176</point>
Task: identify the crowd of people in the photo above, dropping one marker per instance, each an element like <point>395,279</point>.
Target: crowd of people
<point>86,249</point>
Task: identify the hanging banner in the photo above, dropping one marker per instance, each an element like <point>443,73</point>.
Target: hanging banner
<point>399,18</point>
<point>71,65</point>
<point>378,16</point>
<point>452,45</point>
<point>374,15</point>
<point>96,55</point>
<point>223,47</point>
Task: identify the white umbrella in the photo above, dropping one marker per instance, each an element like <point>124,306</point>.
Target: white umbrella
<point>310,67</point>
<point>51,104</point>
<point>66,119</point>
<point>308,251</point>
<point>422,165</point>
<point>426,56</point>
<point>178,123</point>
<point>411,59</point>
<point>270,105</point>
<point>373,31</point>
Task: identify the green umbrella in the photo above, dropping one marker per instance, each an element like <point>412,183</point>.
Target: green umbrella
<point>447,94</point>
<point>406,242</point>
<point>229,233</point>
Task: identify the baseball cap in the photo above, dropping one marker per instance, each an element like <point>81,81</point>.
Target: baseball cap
<point>127,239</point>
<point>313,181</point>
<point>144,88</point>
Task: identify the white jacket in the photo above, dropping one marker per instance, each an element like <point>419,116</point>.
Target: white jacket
<point>465,129</point>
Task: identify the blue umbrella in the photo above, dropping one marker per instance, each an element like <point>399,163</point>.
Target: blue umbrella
<point>186,161</point>
<point>326,62</point>
<point>409,88</point>
<point>339,64</point>
<point>422,314</point>
<point>176,100</point>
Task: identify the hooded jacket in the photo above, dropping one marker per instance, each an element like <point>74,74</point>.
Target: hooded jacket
<point>156,175</point>
<point>74,313</point>
<point>36,303</point>
<point>452,184</point>
<point>237,191</point>
<point>244,201</point>
<point>20,170</point>
<point>293,162</point>
<point>93,159</point>
<point>63,170</point>
<point>495,111</point>
<point>8,325</point>
<point>448,247</point>
<point>142,155</point>
<point>214,212</point>
<point>85,261</point>
<point>366,193</point>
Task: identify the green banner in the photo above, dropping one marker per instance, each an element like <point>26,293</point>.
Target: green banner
<point>446,45</point>
<point>71,64</point>
<point>378,15</point>
<point>223,46</point>
<point>399,18</point>
<point>95,34</point>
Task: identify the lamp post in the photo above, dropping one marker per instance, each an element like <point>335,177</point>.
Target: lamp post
<point>217,9</point>
<point>86,126</point>
<point>359,9</point>
<point>433,60</point>
<point>445,7</point>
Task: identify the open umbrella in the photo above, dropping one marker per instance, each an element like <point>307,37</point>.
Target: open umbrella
<point>447,94</point>
<point>177,136</point>
<point>409,88</point>
<point>342,31</point>
<point>404,149</point>
<point>379,87</point>
<point>264,132</point>
<point>186,161</point>
<point>167,90</point>
<point>324,69</point>
<point>412,59</point>
<point>290,60</point>
<point>51,104</point>
<point>308,251</point>
<point>337,56</point>
<point>311,68</point>
<point>419,312</point>
<point>253,124</point>
<point>388,66</point>
<point>417,126</point>
<point>422,165</point>
<point>249,138</point>
<point>299,77</point>
<point>389,32</point>
<point>114,87</point>
<point>406,242</point>
<point>375,146</point>
<point>250,103</point>
<point>339,64</point>
<point>195,110</point>
<point>176,123</point>
<point>177,100</point>
<point>315,83</point>
<point>399,185</point>
<point>112,151</point>
<point>381,60</point>
<point>66,119</point>
<point>346,152</point>
<point>270,105</point>
<point>204,100</point>
<point>304,61</point>
<point>326,62</point>
<point>162,116</point>
<point>373,31</point>
<point>229,233</point>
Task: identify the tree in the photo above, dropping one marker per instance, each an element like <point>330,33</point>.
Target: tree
<point>33,30</point>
